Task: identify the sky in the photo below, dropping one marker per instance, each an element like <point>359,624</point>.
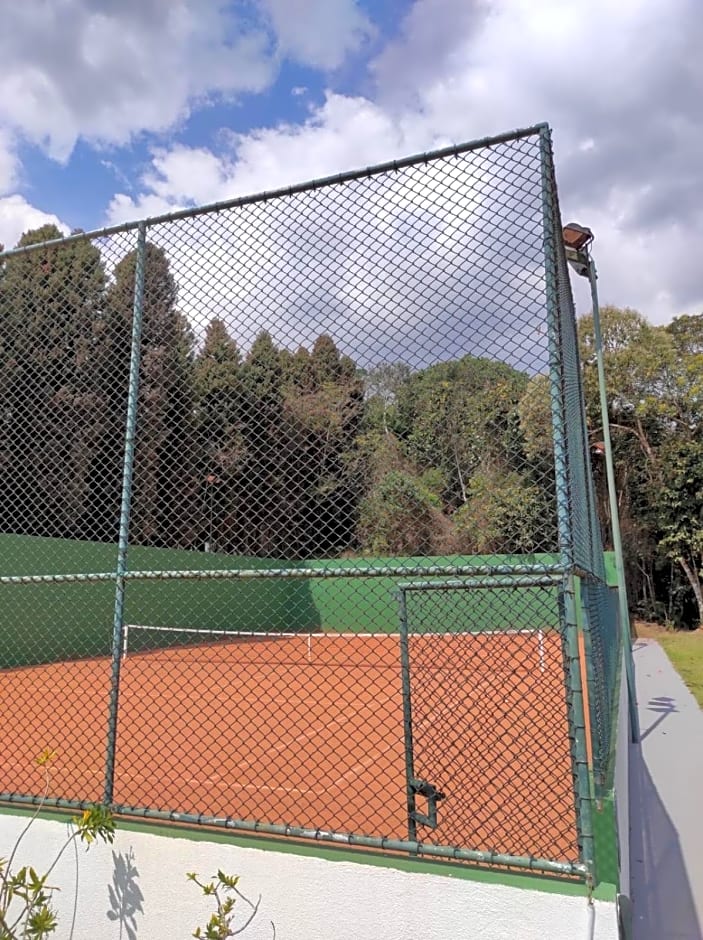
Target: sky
<point>111,110</point>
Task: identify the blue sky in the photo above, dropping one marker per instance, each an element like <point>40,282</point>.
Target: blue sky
<point>113,110</point>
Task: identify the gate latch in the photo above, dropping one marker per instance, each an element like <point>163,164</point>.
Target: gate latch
<point>433,796</point>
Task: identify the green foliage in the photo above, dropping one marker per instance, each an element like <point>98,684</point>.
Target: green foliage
<point>221,923</point>
<point>52,347</point>
<point>382,385</point>
<point>165,457</point>
<point>458,415</point>
<point>680,512</point>
<point>26,912</point>
<point>535,416</point>
<point>504,513</point>
<point>654,377</point>
<point>400,516</point>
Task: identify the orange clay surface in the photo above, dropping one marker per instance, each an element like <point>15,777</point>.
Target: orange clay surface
<point>309,732</point>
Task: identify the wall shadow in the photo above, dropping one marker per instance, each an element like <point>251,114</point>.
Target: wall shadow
<point>662,901</point>
<point>125,896</point>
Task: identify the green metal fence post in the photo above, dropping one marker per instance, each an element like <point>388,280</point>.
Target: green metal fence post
<point>613,503</point>
<point>407,715</point>
<point>583,795</point>
<point>556,368</point>
<point>123,537</point>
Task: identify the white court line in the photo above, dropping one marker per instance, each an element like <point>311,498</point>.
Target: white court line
<point>248,786</point>
<point>263,786</point>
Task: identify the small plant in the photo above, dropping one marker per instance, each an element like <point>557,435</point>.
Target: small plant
<point>25,895</point>
<point>223,888</point>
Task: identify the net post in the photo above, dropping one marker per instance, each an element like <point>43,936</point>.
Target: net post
<point>125,508</point>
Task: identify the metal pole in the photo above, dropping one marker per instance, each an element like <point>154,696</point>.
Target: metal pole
<point>407,716</point>
<point>583,797</point>
<point>125,508</point>
<point>613,503</point>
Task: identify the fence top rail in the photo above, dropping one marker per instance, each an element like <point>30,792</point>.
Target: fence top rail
<point>455,150</point>
<point>245,574</point>
<point>488,582</point>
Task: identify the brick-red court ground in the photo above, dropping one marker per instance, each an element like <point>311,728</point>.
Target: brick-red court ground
<point>309,732</point>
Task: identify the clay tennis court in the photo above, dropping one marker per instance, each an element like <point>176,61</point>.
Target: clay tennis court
<point>308,731</point>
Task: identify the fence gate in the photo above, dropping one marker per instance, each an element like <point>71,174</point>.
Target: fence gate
<point>484,707</point>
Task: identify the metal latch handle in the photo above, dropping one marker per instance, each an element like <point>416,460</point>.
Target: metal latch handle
<point>433,796</point>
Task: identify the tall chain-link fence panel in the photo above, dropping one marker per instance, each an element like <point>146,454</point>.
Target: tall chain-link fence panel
<point>230,437</point>
<point>581,528</point>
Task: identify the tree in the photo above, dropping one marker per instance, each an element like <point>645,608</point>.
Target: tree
<point>165,468</point>
<point>322,411</point>
<point>382,384</point>
<point>457,416</point>
<point>680,510</point>
<point>654,377</point>
<point>51,345</point>
<point>221,447</point>
<point>400,517</point>
<point>261,529</point>
<point>504,514</point>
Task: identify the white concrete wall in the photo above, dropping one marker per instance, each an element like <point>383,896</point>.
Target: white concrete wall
<point>137,890</point>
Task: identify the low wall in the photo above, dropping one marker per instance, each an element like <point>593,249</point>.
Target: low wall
<point>137,888</point>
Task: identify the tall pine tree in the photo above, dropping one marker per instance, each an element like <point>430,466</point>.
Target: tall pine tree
<point>164,502</point>
<point>51,326</point>
<point>260,522</point>
<point>218,384</point>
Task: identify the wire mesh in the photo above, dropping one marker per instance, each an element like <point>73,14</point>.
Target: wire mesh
<point>237,429</point>
<point>487,718</point>
<point>604,647</point>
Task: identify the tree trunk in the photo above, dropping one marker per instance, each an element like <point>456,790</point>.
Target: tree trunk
<point>694,580</point>
<point>461,476</point>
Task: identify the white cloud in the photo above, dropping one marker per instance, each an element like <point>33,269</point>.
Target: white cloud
<point>316,32</point>
<point>107,71</point>
<point>17,216</point>
<point>9,167</point>
<point>344,132</point>
<point>103,71</point>
<point>621,88</point>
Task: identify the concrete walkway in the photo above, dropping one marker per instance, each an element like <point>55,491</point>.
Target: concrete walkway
<point>666,803</point>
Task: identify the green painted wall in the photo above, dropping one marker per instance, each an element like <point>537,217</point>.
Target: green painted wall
<point>370,604</point>
<point>49,622</point>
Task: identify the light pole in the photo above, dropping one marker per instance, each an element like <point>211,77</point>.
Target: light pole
<point>577,242</point>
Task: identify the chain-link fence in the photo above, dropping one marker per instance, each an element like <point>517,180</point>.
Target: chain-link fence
<point>295,490</point>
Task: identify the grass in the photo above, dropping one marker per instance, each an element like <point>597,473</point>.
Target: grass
<point>685,650</point>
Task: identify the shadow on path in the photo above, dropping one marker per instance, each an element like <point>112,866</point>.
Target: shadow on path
<point>663,900</point>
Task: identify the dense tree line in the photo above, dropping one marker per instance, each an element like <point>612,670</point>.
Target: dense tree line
<point>295,454</point>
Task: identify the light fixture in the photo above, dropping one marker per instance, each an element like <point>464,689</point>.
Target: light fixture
<point>577,236</point>
<point>577,239</point>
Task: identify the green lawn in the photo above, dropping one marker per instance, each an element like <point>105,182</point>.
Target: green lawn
<point>685,650</point>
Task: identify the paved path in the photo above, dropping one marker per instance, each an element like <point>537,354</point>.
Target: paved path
<point>666,803</point>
